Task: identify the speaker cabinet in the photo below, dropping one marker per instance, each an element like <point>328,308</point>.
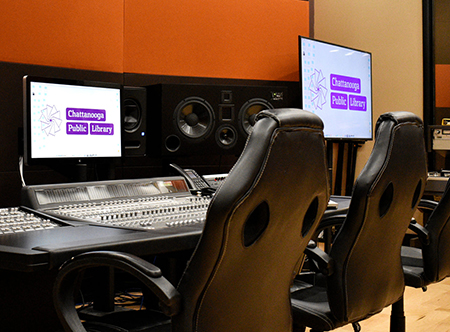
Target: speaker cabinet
<point>134,121</point>
<point>192,119</point>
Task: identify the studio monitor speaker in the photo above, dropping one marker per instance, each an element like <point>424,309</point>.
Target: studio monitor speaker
<point>134,121</point>
<point>193,119</point>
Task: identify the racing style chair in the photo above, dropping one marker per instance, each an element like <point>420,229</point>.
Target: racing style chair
<point>430,263</point>
<point>256,230</point>
<point>362,273</point>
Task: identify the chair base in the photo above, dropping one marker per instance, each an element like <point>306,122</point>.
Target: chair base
<point>398,321</point>
<point>356,327</point>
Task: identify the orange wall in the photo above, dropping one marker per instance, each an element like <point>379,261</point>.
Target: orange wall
<point>83,34</point>
<point>250,39</point>
<point>442,85</point>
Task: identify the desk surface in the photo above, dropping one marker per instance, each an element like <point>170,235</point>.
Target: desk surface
<point>48,249</point>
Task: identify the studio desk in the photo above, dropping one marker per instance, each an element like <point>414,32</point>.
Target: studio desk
<point>144,217</point>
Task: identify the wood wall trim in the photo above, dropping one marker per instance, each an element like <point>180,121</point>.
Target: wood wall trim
<point>442,76</point>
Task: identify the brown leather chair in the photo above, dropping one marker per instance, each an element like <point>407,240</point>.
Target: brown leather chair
<point>362,273</point>
<point>257,227</point>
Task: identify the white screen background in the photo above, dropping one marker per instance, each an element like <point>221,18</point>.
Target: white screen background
<point>331,59</point>
<point>56,143</point>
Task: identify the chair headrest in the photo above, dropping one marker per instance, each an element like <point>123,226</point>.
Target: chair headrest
<point>291,117</point>
<point>398,118</point>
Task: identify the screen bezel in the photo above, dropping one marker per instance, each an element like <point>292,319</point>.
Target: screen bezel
<point>333,138</point>
<point>54,161</point>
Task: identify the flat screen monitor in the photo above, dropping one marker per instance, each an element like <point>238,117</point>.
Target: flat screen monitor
<point>71,121</point>
<point>336,84</point>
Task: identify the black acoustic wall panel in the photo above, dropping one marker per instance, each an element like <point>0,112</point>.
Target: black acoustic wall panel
<point>134,115</point>
<point>194,119</point>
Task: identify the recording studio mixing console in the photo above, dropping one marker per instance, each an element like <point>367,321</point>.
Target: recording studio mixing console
<point>148,213</point>
<point>145,203</point>
<point>139,216</point>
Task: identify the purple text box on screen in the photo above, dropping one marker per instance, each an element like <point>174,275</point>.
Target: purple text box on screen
<point>85,114</point>
<point>102,129</point>
<point>339,101</point>
<point>357,103</point>
<point>77,128</point>
<point>345,83</point>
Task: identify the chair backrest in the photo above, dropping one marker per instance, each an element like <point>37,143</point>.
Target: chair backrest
<point>368,272</point>
<point>436,254</point>
<point>258,224</point>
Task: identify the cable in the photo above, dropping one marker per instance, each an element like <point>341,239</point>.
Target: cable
<point>21,171</point>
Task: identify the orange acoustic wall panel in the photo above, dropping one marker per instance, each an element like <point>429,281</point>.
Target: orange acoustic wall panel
<point>82,34</point>
<point>251,39</point>
<point>442,85</point>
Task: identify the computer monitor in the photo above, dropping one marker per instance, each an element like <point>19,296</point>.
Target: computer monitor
<point>336,84</point>
<point>71,121</point>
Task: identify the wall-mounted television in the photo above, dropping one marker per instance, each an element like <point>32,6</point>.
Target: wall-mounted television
<point>71,121</point>
<point>336,84</point>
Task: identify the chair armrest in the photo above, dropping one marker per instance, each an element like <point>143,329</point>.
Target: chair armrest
<point>422,232</point>
<point>333,220</point>
<point>328,227</point>
<point>147,273</point>
<point>322,261</point>
<point>426,204</point>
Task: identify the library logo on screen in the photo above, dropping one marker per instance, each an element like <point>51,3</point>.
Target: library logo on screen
<point>50,120</point>
<point>318,89</point>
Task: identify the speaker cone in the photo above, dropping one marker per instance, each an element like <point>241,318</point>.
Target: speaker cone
<point>249,110</point>
<point>132,115</point>
<point>194,117</point>
<point>226,136</point>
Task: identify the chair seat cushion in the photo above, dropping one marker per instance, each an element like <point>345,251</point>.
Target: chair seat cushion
<point>412,256</point>
<point>311,305</point>
<point>413,267</point>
